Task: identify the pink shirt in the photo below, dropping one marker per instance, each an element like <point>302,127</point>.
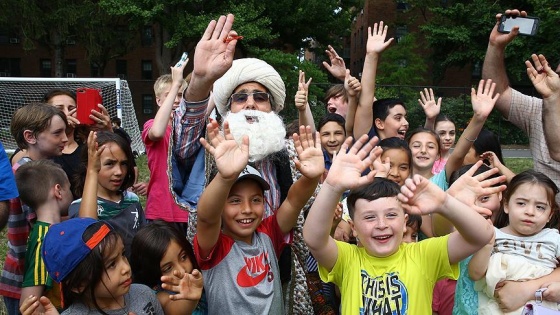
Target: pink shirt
<point>160,203</point>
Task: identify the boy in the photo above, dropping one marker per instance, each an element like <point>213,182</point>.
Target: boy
<point>41,129</point>
<point>387,275</point>
<point>44,187</point>
<point>160,204</point>
<point>236,249</point>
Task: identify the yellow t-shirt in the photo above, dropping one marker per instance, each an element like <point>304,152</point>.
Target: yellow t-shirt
<point>402,283</point>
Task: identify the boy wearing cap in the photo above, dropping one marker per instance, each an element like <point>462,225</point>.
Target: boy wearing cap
<point>43,186</point>
<point>236,249</point>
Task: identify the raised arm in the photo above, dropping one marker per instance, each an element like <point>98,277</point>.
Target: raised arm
<point>345,173</point>
<point>420,196</point>
<point>213,56</point>
<point>547,83</point>
<point>301,100</point>
<point>376,44</point>
<point>353,87</point>
<point>311,164</point>
<point>430,106</point>
<point>88,206</point>
<point>161,121</point>
<point>494,65</point>
<point>230,159</point>
<point>337,67</point>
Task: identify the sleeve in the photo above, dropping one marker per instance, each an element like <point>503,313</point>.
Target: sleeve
<point>433,258</point>
<point>74,209</point>
<point>189,125</point>
<point>270,227</point>
<point>524,110</point>
<point>220,250</point>
<point>347,255</point>
<point>147,126</point>
<point>8,189</point>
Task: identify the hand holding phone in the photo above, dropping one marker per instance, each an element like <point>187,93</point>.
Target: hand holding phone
<point>527,25</point>
<point>87,99</point>
<point>182,60</point>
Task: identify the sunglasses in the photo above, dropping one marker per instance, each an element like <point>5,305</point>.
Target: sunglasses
<point>258,97</point>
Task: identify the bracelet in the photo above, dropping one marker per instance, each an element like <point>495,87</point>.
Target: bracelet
<point>470,140</point>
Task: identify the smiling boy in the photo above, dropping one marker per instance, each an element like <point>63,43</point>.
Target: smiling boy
<point>386,275</point>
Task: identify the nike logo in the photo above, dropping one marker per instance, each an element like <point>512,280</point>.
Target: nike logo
<point>255,270</point>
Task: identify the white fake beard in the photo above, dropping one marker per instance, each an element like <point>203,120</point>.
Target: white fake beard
<point>266,132</point>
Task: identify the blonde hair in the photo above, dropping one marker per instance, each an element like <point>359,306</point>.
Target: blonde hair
<point>163,82</point>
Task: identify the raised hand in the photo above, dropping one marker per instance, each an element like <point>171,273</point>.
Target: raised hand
<point>351,84</point>
<point>429,105</point>
<point>502,39</point>
<point>376,40</point>
<point>381,168</point>
<point>32,305</point>
<point>231,157</point>
<point>71,118</point>
<point>469,188</point>
<point>177,71</point>
<point>492,158</point>
<point>101,118</point>
<point>302,92</point>
<point>188,286</point>
<point>348,165</point>
<point>419,196</point>
<point>214,53</point>
<point>337,67</point>
<point>310,161</point>
<point>544,79</point>
<point>94,153</point>
<point>483,99</point>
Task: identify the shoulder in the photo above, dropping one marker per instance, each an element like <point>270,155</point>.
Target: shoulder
<point>130,196</point>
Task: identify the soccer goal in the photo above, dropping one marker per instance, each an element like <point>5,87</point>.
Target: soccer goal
<point>17,92</point>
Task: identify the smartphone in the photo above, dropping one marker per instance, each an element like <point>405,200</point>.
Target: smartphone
<point>182,60</point>
<point>87,99</point>
<point>527,25</point>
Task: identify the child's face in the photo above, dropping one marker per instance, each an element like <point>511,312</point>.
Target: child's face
<point>446,131</point>
<point>529,210</point>
<point>175,258</point>
<point>395,124</point>
<point>161,98</point>
<point>332,137</point>
<point>400,165</point>
<point>114,167</point>
<point>379,225</point>
<point>338,105</point>
<point>424,149</point>
<point>115,281</point>
<point>411,233</point>
<point>51,142</point>
<point>65,197</point>
<point>490,202</point>
<point>243,211</point>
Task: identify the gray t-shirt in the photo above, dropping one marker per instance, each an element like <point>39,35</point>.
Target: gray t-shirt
<point>140,300</point>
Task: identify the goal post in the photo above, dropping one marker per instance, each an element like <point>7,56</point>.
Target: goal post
<point>16,92</point>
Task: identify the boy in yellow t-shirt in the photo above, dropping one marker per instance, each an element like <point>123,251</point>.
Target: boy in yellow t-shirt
<point>387,276</point>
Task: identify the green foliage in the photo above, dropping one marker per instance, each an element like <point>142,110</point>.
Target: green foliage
<point>401,64</point>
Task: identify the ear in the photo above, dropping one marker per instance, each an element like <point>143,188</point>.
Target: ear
<point>159,101</point>
<point>57,189</point>
<point>405,220</point>
<point>379,124</point>
<point>354,233</point>
<point>500,196</point>
<point>29,137</point>
<point>506,210</point>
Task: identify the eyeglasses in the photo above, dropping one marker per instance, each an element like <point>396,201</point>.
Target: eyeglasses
<point>258,97</point>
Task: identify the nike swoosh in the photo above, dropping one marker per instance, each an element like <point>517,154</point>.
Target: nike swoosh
<point>245,280</point>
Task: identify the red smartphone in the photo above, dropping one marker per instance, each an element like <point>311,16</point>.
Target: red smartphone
<point>87,99</point>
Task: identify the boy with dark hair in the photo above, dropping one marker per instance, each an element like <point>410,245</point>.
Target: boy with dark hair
<point>43,186</point>
<point>389,118</point>
<point>386,274</point>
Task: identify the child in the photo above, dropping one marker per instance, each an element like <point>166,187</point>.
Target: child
<point>159,249</point>
<point>87,257</point>
<point>384,274</point>
<point>524,248</point>
<point>160,204</point>
<point>332,133</point>
<point>44,187</point>
<point>104,185</point>
<point>413,225</point>
<point>445,128</point>
<point>236,249</point>
<point>41,129</point>
<point>400,159</point>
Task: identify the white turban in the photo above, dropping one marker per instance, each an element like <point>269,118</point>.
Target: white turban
<point>249,70</point>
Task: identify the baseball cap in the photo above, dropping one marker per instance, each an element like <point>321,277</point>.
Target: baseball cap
<point>252,173</point>
<point>64,246</point>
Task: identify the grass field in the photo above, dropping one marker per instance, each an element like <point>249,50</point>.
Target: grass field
<point>515,164</point>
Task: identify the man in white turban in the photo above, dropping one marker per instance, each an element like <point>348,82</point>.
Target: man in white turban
<point>248,94</point>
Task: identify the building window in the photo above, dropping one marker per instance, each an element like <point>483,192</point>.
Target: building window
<point>401,32</point>
<point>45,68</point>
<point>402,6</point>
<point>95,70</point>
<point>147,104</point>
<point>477,70</point>
<point>10,67</point>
<point>121,68</point>
<point>147,36</point>
<point>70,67</point>
<point>146,70</point>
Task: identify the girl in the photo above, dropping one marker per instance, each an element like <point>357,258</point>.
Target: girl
<point>87,256</point>
<point>333,134</point>
<point>445,128</point>
<point>399,156</point>
<point>486,141</point>
<point>103,185</point>
<point>527,247</point>
<point>159,249</point>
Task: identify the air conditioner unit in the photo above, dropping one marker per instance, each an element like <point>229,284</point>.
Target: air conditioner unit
<point>14,40</point>
<point>121,76</point>
<point>70,75</point>
<point>70,42</point>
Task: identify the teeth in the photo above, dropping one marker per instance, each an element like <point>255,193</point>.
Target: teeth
<point>246,221</point>
<point>382,237</point>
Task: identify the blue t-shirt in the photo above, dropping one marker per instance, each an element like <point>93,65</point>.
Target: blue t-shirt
<point>466,298</point>
<point>8,188</point>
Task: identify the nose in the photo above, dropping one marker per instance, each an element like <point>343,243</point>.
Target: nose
<point>250,103</point>
<point>64,138</point>
<point>405,122</point>
<point>245,207</point>
<point>381,224</point>
<point>393,172</point>
<point>177,99</point>
<point>126,266</point>
<point>331,138</point>
<point>119,170</point>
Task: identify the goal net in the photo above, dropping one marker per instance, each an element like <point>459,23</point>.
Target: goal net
<point>17,92</point>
